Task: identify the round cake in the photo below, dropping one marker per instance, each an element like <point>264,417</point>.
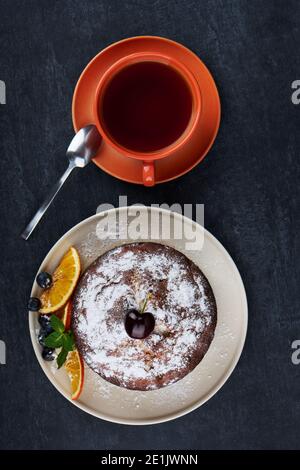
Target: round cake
<point>179,298</point>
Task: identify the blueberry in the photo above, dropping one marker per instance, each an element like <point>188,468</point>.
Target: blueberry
<point>48,354</point>
<point>41,337</point>
<point>44,280</point>
<point>34,304</point>
<point>44,321</point>
<point>48,329</point>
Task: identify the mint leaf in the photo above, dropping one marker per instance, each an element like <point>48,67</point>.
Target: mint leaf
<point>54,340</point>
<point>61,358</point>
<point>57,324</point>
<point>68,341</point>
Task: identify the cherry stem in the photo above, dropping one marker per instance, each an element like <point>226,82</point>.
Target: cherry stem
<point>148,297</point>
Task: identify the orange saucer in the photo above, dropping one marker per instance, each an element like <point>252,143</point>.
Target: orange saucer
<point>169,168</point>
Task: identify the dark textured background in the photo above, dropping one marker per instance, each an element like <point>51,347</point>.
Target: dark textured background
<point>249,184</point>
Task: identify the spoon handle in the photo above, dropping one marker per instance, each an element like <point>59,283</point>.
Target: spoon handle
<point>35,220</point>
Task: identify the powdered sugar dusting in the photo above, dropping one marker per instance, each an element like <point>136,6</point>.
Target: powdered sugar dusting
<point>120,280</point>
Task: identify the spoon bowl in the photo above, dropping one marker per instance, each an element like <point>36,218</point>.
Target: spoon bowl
<point>84,146</point>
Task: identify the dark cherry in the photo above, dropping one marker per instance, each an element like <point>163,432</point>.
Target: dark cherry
<point>139,325</point>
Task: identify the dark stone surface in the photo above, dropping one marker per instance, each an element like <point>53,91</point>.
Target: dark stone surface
<point>249,184</point>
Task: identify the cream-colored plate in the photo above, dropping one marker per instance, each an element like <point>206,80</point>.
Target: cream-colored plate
<point>117,404</point>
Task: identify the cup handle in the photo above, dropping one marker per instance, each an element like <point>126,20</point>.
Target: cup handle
<point>148,174</point>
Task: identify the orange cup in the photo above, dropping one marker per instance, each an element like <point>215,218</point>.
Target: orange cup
<point>149,158</point>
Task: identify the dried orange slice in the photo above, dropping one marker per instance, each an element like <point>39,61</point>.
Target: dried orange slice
<point>75,369</point>
<point>64,280</point>
<point>66,315</point>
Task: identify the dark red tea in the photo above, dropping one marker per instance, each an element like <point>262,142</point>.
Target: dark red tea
<point>146,106</point>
